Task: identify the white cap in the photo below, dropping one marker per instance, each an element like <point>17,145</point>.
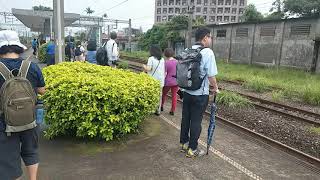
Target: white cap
<point>10,38</point>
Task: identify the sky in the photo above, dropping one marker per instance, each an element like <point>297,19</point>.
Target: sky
<point>140,11</point>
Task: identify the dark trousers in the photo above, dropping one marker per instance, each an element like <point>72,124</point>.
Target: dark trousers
<point>192,114</point>
<point>50,60</point>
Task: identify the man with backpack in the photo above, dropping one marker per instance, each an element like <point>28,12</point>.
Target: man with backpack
<point>112,50</point>
<point>20,81</point>
<point>79,52</point>
<point>196,71</point>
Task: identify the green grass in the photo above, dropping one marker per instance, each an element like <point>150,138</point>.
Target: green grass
<point>232,100</point>
<point>293,83</point>
<point>315,130</point>
<point>142,55</point>
<point>123,65</point>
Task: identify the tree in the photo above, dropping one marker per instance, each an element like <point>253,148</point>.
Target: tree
<point>304,8</point>
<point>251,14</point>
<point>41,8</point>
<point>89,11</point>
<point>162,34</point>
<point>199,21</point>
<point>277,10</point>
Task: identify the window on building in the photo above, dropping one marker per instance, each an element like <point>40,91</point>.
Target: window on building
<point>170,10</point>
<point>222,33</point>
<point>220,2</point>
<point>242,32</point>
<point>213,2</point>
<point>233,18</point>
<point>184,10</point>
<point>158,18</point>
<point>234,2</point>
<point>234,10</point>
<point>212,10</point>
<point>220,10</point>
<point>198,9</point>
<point>226,19</point>
<point>191,2</point>
<point>241,11</point>
<point>241,2</point>
<point>205,10</point>
<point>184,2</point>
<point>300,29</point>
<point>219,18</point>
<point>164,18</point>
<point>228,2</point>
<point>159,3</point>
<point>165,2</point>
<point>268,31</point>
<point>158,10</point>
<point>227,10</point>
<point>177,11</point>
<point>178,2</point>
<point>212,18</point>
<point>170,17</point>
<point>164,10</point>
<point>205,2</point>
<point>205,18</point>
<point>199,2</point>
<point>171,2</point>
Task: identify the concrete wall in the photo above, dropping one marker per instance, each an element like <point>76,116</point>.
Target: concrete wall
<point>221,45</point>
<point>297,50</point>
<point>268,43</point>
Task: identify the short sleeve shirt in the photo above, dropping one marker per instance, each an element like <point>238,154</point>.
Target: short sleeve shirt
<point>208,68</point>
<point>34,76</point>
<point>157,69</point>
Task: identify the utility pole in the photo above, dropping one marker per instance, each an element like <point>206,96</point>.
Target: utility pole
<point>189,34</point>
<point>58,15</point>
<point>108,31</point>
<point>130,35</point>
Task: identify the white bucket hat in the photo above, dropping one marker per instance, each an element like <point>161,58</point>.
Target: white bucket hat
<point>10,38</point>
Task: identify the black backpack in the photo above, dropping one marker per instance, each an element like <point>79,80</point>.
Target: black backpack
<point>102,56</point>
<point>188,69</point>
<point>77,52</point>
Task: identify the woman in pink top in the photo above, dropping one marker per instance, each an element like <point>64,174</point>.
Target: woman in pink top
<point>170,80</point>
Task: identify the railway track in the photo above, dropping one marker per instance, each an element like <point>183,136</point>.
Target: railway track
<point>307,160</point>
<point>282,109</point>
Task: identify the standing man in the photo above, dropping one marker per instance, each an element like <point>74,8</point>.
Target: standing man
<point>195,101</point>
<point>50,53</point>
<point>112,50</point>
<point>21,143</point>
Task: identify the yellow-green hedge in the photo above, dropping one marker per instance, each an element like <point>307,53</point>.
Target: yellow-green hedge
<point>91,101</point>
<point>43,53</point>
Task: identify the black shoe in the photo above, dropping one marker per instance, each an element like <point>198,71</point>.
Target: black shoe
<point>171,113</point>
<point>161,108</point>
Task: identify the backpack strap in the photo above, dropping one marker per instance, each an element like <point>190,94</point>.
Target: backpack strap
<point>24,68</point>
<point>5,72</point>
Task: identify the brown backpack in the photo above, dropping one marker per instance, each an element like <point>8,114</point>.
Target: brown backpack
<point>17,99</point>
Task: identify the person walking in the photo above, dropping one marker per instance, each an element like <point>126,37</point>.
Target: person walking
<point>155,68</point>
<point>170,82</point>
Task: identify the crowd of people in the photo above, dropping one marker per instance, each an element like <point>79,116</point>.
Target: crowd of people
<point>19,140</point>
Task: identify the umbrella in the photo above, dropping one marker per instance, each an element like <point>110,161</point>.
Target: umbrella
<point>212,123</point>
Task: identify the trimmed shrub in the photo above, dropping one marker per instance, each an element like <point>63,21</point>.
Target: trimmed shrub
<point>92,101</point>
<point>43,53</point>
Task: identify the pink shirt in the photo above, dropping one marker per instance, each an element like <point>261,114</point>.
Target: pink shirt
<point>170,68</point>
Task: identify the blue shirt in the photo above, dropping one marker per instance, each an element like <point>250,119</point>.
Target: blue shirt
<point>51,48</point>
<point>34,76</point>
<point>91,57</point>
<point>208,68</point>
